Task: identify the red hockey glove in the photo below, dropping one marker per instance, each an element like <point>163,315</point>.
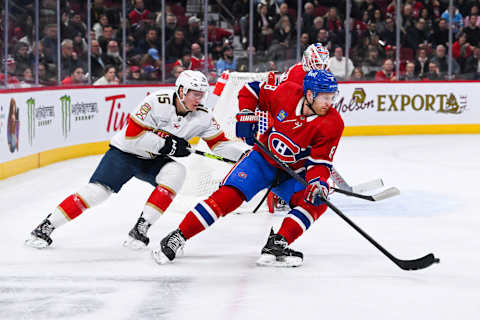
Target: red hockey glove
<point>316,191</point>
<point>247,126</point>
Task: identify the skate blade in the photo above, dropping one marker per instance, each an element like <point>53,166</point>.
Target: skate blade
<point>268,260</point>
<point>37,243</point>
<point>159,257</point>
<point>134,244</point>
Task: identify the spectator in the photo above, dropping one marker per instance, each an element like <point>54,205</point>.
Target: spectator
<point>457,20</point>
<point>12,80</point>
<point>80,46</point>
<point>441,60</point>
<point>332,21</point>
<point>112,56</point>
<point>134,76</point>
<point>357,75</point>
<point>27,80</point>
<point>174,74</point>
<point>283,12</point>
<point>421,63</point>
<point>49,43</point>
<point>22,58</point>
<point>323,38</point>
<point>282,42</point>
<point>308,17</point>
<point>263,28</point>
<point>440,34</point>
<point>379,21</point>
<point>69,58</point>
<point>192,32</point>
<point>369,7</point>
<point>99,25</point>
<point>151,41</point>
<point>75,26</point>
<point>106,37</point>
<point>198,59</point>
<point>109,78</point>
<point>387,73</point>
<point>96,61</point>
<point>77,77</point>
<point>138,14</point>
<point>472,31</point>
<point>416,36</point>
<point>304,41</point>
<point>170,26</point>
<point>389,35</point>
<point>472,65</point>
<point>175,46</point>
<point>433,73</point>
<point>461,49</point>
<point>318,23</point>
<point>185,61</point>
<point>216,34</point>
<point>409,74</point>
<point>473,12</point>
<point>151,58</point>
<point>44,78</point>
<point>407,18</point>
<point>227,61</point>
<point>336,64</point>
<point>372,64</point>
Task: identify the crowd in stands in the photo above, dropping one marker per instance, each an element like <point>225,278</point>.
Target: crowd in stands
<point>424,38</point>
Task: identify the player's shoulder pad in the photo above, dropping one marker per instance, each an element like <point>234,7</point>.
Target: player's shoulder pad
<point>254,87</point>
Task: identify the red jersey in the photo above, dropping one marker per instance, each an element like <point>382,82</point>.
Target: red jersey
<point>297,140</point>
<point>295,73</point>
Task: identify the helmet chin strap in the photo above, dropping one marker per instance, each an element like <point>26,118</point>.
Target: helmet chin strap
<point>181,101</point>
<point>310,104</point>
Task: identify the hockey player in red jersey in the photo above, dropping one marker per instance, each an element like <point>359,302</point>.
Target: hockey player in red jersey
<point>305,134</point>
<point>158,130</point>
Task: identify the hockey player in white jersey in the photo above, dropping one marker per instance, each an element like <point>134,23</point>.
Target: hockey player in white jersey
<point>158,130</point>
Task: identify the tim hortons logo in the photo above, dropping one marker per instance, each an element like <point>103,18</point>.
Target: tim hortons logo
<point>117,118</point>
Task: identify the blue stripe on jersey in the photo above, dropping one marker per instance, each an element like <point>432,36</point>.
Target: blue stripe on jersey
<point>255,87</point>
<point>301,216</point>
<point>309,163</point>
<point>205,214</point>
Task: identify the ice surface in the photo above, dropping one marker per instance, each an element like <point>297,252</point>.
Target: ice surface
<point>87,274</point>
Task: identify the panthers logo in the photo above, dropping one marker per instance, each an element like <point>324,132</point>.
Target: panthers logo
<point>283,147</point>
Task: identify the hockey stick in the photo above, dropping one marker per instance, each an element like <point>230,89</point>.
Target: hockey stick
<point>359,188</point>
<point>415,264</point>
<point>213,156</point>
<point>390,192</point>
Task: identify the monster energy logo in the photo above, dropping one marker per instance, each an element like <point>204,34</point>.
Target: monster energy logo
<point>31,120</point>
<point>66,114</point>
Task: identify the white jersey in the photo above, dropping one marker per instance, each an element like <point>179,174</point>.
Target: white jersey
<point>155,118</point>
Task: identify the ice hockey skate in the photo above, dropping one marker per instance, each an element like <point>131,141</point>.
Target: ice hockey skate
<point>277,254</point>
<point>170,246</point>
<point>137,237</point>
<point>40,236</point>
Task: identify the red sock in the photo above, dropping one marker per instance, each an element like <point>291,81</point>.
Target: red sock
<point>161,198</point>
<point>290,230</point>
<point>220,203</point>
<point>72,206</point>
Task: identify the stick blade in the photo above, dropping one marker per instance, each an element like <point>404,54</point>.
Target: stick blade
<point>388,193</point>
<point>367,186</point>
<point>417,264</point>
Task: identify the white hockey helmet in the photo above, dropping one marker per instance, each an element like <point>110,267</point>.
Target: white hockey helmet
<point>315,57</point>
<point>192,80</point>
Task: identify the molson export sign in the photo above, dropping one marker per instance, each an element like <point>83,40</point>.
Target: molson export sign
<point>441,103</point>
<point>360,100</point>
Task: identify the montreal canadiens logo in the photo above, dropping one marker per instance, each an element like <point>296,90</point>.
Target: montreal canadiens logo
<point>283,147</point>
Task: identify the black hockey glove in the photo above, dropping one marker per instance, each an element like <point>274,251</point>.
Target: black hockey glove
<point>175,147</point>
